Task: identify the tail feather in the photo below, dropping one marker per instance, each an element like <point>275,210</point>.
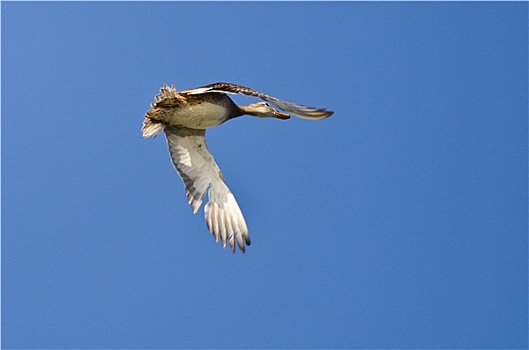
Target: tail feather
<point>151,128</point>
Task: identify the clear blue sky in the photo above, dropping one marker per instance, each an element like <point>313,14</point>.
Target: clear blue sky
<point>399,222</point>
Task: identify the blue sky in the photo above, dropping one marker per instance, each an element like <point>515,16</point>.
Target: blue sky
<point>399,222</point>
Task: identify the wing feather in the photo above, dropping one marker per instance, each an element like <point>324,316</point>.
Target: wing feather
<point>200,174</point>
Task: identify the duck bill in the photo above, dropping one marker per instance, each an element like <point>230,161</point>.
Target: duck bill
<point>281,115</point>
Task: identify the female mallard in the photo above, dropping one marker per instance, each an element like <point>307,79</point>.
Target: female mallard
<point>184,116</point>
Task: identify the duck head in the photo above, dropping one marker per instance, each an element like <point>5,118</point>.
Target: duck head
<point>263,110</point>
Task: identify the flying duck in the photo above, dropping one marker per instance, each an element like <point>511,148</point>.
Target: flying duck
<point>184,116</point>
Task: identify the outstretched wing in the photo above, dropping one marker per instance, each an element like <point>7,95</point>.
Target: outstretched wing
<point>198,170</point>
<point>301,111</point>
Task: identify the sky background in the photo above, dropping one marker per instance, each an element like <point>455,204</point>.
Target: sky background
<point>399,222</point>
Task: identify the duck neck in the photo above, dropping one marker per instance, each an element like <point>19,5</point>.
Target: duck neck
<point>248,110</point>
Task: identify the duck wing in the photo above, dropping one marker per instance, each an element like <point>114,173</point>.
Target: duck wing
<point>311,113</point>
<point>199,172</point>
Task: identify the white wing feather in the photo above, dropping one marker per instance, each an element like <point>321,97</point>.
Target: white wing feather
<point>199,172</point>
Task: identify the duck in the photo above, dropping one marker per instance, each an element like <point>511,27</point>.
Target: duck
<point>184,116</point>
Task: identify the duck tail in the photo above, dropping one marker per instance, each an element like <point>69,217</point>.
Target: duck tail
<point>151,127</point>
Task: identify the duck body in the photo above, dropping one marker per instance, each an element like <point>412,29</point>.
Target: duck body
<point>194,111</point>
<point>184,117</point>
